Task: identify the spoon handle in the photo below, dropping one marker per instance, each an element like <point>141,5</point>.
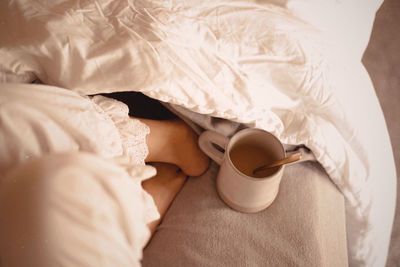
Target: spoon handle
<point>289,159</point>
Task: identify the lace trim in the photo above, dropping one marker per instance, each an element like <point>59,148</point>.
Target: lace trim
<point>133,132</point>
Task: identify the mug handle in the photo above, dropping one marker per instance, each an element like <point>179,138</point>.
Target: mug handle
<point>206,141</point>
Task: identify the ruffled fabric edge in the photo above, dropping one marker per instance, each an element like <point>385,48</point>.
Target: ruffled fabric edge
<point>132,131</point>
<point>133,137</point>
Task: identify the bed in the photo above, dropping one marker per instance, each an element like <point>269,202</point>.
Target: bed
<point>292,68</point>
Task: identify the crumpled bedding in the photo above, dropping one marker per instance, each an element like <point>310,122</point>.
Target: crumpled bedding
<point>84,157</point>
<point>292,68</point>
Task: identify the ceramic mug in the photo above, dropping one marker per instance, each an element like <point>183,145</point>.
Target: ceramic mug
<point>248,149</point>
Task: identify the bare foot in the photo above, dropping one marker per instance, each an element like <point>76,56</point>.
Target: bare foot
<point>163,188</point>
<point>173,141</point>
<point>187,153</point>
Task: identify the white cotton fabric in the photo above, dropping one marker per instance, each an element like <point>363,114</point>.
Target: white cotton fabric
<point>38,119</point>
<point>73,209</point>
<point>90,159</point>
<point>291,68</point>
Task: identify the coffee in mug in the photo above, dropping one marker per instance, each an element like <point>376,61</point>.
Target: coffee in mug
<point>246,157</point>
<point>247,150</point>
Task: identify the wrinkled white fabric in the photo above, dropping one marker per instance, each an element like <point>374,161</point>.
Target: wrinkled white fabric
<point>73,209</point>
<point>291,68</point>
<point>89,160</point>
<point>39,119</point>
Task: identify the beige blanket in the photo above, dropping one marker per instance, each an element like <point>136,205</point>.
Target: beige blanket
<point>305,226</point>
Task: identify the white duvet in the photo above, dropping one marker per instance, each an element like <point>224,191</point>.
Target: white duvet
<point>292,68</point>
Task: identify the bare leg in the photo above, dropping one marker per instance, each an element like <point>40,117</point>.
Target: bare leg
<point>163,188</point>
<point>172,141</point>
<point>172,145</point>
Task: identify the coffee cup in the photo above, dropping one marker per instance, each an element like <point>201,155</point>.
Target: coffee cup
<point>239,155</point>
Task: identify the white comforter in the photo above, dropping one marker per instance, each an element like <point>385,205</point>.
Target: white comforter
<point>293,69</point>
